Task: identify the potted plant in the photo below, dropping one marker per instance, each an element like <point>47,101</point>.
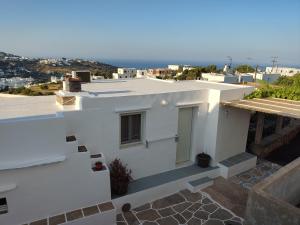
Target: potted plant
<point>203,160</point>
<point>98,166</point>
<point>120,177</point>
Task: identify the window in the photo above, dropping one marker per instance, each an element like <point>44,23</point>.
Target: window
<point>3,206</point>
<point>131,128</point>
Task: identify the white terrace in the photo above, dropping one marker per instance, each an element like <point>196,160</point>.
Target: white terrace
<point>43,174</point>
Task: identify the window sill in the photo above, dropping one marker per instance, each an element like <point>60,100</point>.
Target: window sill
<point>130,145</point>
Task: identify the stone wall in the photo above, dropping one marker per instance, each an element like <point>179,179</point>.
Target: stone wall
<point>275,200</point>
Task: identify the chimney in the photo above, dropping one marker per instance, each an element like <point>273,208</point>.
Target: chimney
<point>72,84</point>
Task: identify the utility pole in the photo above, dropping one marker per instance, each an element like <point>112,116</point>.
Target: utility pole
<point>256,68</point>
<point>230,61</point>
<point>248,58</point>
<point>274,61</point>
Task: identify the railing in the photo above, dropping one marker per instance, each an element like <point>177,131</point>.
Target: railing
<point>149,141</point>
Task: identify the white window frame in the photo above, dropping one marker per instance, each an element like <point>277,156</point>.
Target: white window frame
<point>125,145</point>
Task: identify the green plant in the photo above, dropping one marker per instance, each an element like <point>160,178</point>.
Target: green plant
<point>120,177</point>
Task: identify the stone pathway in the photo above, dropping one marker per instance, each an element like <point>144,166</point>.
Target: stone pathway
<point>251,177</point>
<point>183,207</point>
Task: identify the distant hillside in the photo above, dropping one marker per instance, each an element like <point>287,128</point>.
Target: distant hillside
<point>25,67</point>
<point>4,54</point>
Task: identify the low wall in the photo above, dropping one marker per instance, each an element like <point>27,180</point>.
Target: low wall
<point>275,200</point>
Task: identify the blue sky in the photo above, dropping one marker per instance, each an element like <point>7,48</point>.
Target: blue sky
<point>190,30</point>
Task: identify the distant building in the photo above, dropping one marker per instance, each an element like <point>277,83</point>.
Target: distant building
<point>161,72</point>
<point>187,67</point>
<point>55,79</point>
<point>220,78</point>
<point>125,73</point>
<point>283,71</point>
<point>97,77</point>
<point>244,78</point>
<point>84,75</point>
<point>268,77</point>
<point>174,67</point>
<point>141,73</point>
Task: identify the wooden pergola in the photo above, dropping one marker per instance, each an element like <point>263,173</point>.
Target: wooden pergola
<point>280,107</point>
<point>277,106</point>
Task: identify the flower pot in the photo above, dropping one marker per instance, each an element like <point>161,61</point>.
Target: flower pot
<point>98,166</point>
<point>203,160</point>
<point>119,187</point>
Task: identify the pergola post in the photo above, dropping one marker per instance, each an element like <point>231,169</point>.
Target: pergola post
<point>279,122</point>
<point>259,127</point>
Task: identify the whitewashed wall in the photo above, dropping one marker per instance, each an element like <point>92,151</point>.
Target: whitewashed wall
<point>98,127</point>
<point>45,190</point>
<point>32,137</point>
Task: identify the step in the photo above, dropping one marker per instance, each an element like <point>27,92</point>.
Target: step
<point>237,164</point>
<point>82,148</point>
<point>70,138</point>
<point>196,185</point>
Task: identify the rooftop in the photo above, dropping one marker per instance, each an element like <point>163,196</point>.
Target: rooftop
<point>12,106</point>
<point>112,88</point>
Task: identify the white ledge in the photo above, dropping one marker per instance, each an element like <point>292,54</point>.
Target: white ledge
<point>7,187</point>
<point>30,163</point>
<point>188,104</point>
<point>132,109</point>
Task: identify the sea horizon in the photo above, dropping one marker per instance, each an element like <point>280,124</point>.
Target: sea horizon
<point>147,64</point>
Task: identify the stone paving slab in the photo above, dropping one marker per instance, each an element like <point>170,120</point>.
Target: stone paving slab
<point>184,207</point>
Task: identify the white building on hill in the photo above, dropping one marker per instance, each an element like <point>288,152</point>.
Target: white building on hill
<point>220,78</point>
<point>174,67</point>
<point>125,73</point>
<point>141,73</point>
<point>153,126</point>
<point>268,77</point>
<point>283,71</point>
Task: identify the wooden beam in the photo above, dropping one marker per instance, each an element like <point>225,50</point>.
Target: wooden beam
<point>279,122</point>
<point>259,127</point>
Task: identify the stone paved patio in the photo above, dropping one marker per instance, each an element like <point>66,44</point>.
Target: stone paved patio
<point>251,177</point>
<point>183,207</point>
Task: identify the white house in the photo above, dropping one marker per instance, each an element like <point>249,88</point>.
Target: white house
<point>283,71</point>
<point>174,67</point>
<point>220,78</point>
<point>125,73</point>
<point>153,126</point>
<point>141,73</point>
<point>268,77</point>
<point>187,67</point>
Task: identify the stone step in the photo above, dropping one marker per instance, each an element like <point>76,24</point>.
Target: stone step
<point>82,148</point>
<point>196,185</point>
<point>237,164</point>
<point>70,138</point>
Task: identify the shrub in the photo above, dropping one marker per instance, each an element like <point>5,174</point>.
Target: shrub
<point>120,177</point>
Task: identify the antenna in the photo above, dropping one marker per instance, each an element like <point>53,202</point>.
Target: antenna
<point>230,61</point>
<point>248,58</point>
<point>274,61</point>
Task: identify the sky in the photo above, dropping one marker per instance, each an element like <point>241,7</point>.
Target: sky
<point>190,30</point>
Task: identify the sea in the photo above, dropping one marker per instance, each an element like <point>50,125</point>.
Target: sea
<point>146,64</point>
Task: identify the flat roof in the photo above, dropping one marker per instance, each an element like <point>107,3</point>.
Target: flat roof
<point>277,106</point>
<point>13,106</point>
<point>125,87</point>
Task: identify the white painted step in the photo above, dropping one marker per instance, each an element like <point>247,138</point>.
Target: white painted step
<point>196,185</point>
